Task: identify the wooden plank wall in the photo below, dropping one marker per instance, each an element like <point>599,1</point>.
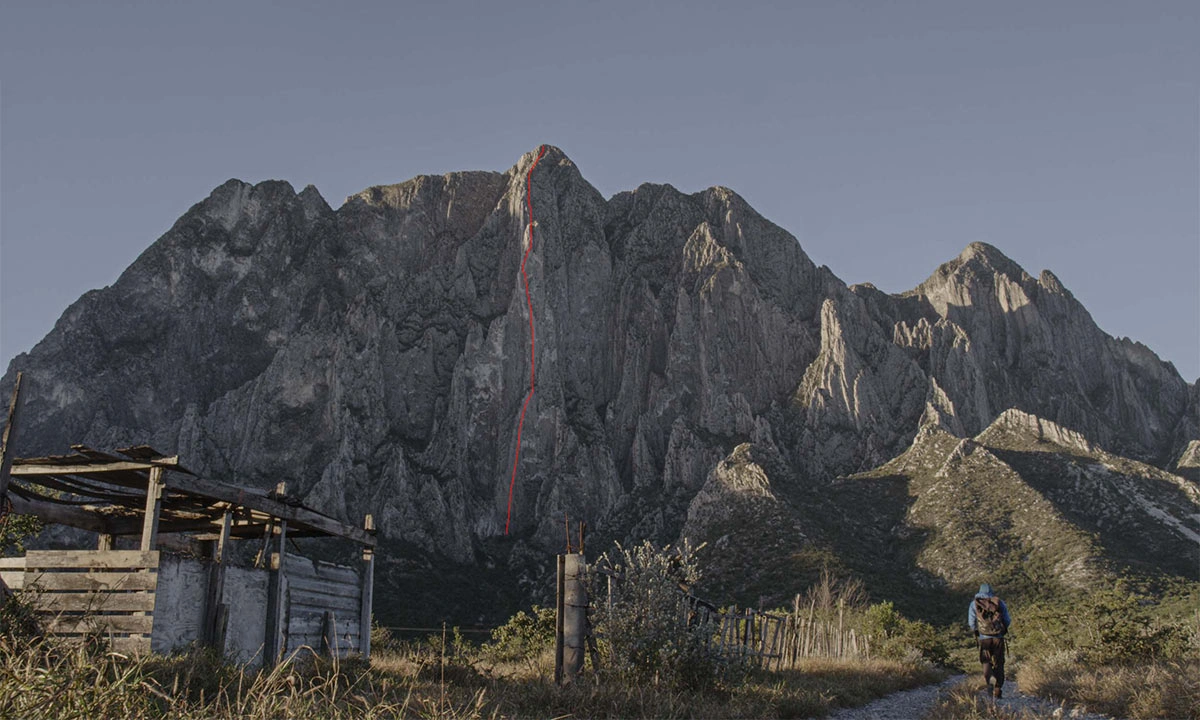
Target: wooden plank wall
<point>87,592</point>
<point>245,595</point>
<point>323,604</point>
<point>179,605</point>
<point>12,570</point>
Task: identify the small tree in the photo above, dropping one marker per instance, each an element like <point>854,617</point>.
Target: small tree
<point>524,638</point>
<point>646,628</point>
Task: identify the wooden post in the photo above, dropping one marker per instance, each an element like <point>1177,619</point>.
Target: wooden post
<point>841,645</point>
<point>575,604</point>
<point>6,456</point>
<point>104,542</point>
<point>329,642</point>
<point>213,617</point>
<point>368,591</point>
<point>275,643</point>
<point>154,491</point>
<point>10,433</point>
<point>558,624</point>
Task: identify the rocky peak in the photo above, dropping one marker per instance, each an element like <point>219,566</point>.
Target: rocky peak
<point>1040,430</point>
<point>379,355</point>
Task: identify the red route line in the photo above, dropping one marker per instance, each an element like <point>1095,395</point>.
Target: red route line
<point>529,301</point>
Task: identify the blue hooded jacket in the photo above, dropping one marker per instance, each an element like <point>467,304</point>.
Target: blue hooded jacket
<point>985,590</point>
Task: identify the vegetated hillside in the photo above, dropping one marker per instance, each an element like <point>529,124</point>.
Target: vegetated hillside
<point>1026,505</point>
<point>1038,509</point>
<point>377,357</point>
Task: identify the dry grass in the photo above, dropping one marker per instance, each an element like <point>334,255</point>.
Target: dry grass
<point>45,679</point>
<point>41,679</point>
<point>967,701</point>
<point>1157,689</point>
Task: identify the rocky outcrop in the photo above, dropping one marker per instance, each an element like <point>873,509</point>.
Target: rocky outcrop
<point>377,356</point>
<point>995,338</point>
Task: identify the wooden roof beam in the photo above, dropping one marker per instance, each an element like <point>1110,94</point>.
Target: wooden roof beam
<point>254,501</point>
<point>72,515</point>
<point>21,469</point>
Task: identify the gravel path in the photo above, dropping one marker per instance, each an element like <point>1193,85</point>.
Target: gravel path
<point>913,704</point>
<point>1017,701</point>
<point>904,705</point>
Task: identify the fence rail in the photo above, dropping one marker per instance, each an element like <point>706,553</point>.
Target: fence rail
<point>776,641</point>
<point>107,593</point>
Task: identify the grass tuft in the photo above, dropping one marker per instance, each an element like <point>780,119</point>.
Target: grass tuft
<point>44,678</point>
<point>1143,691</point>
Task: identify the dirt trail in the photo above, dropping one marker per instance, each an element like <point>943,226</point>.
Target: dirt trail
<point>913,704</point>
<point>904,705</point>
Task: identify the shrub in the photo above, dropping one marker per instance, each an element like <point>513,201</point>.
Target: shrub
<point>882,620</point>
<point>15,529</point>
<point>645,629</point>
<point>898,638</point>
<point>523,638</point>
<point>1106,626</point>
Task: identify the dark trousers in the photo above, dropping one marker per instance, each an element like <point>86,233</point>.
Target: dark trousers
<point>991,655</point>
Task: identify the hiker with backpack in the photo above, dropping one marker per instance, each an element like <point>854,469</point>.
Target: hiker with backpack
<point>989,619</point>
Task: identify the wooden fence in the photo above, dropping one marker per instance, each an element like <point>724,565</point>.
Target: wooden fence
<point>79,593</point>
<point>12,571</point>
<point>777,641</point>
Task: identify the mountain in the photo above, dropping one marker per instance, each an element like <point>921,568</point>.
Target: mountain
<point>377,357</point>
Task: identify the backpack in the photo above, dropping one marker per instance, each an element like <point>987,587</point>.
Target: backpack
<point>988,619</point>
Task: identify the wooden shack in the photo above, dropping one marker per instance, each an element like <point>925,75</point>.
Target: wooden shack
<point>163,575</point>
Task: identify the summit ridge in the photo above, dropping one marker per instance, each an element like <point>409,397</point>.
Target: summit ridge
<point>376,356</point>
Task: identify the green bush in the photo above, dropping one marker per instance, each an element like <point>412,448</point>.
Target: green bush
<point>15,529</point>
<point>523,638</point>
<point>644,630</point>
<point>898,638</point>
<point>1113,625</point>
<point>882,620</point>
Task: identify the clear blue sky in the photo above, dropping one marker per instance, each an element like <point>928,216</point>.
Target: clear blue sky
<point>885,136</point>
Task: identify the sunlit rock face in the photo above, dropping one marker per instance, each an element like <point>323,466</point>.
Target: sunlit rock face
<point>377,356</point>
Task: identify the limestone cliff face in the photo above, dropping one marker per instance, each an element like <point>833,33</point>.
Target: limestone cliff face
<point>993,337</point>
<point>377,356</point>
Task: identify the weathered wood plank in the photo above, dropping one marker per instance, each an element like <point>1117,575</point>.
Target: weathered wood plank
<point>213,634</point>
<point>120,645</point>
<point>317,570</point>
<point>9,437</point>
<point>94,602</point>
<point>9,563</point>
<point>70,515</point>
<point>304,602</point>
<point>154,493</point>
<point>324,587</point>
<point>345,645</point>
<point>96,581</point>
<point>366,597</point>
<point>34,470</point>
<point>275,643</point>
<point>63,624</point>
<point>14,579</point>
<point>130,645</point>
<point>85,559</point>
<point>303,516</point>
<point>312,624</point>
